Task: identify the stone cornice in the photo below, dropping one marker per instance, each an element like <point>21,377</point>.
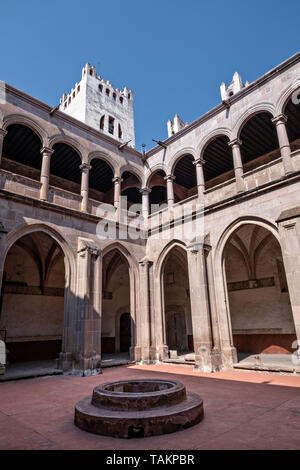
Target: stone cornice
<point>60,115</point>
<point>238,96</point>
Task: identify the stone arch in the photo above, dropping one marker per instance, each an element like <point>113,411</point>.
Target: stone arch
<point>133,280</point>
<point>64,139</point>
<point>221,131</point>
<point>132,169</point>
<point>152,171</point>
<point>285,96</point>
<point>223,305</point>
<point>70,272</point>
<point>178,156</point>
<point>106,158</point>
<point>264,107</point>
<point>25,121</point>
<point>170,312</point>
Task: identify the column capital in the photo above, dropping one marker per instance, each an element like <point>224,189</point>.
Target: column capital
<point>235,142</point>
<point>117,179</point>
<point>88,247</point>
<point>170,178</point>
<point>199,162</point>
<point>195,247</point>
<point>85,166</point>
<point>281,118</point>
<point>145,190</point>
<point>3,132</point>
<point>46,151</point>
<point>145,262</point>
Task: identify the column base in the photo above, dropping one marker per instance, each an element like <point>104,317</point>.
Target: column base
<point>207,360</point>
<point>65,361</point>
<point>162,353</point>
<point>86,367</point>
<point>148,355</point>
<point>229,357</point>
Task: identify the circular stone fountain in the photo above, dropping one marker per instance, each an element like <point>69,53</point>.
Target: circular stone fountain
<point>138,408</point>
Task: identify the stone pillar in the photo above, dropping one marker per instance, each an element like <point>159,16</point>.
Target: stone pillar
<point>145,202</point>
<point>170,190</point>
<point>2,135</point>
<point>45,173</point>
<point>117,193</point>
<point>200,309</point>
<point>200,178</point>
<point>84,191</point>
<point>289,232</point>
<point>147,349</point>
<point>89,295</point>
<point>238,164</point>
<point>284,143</point>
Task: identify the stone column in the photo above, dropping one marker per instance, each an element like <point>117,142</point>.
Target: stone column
<point>284,143</point>
<point>170,190</point>
<point>289,232</point>
<point>200,178</point>
<point>200,309</point>
<point>2,135</point>
<point>145,202</point>
<point>89,295</point>
<point>147,348</point>
<point>45,173</point>
<point>84,191</point>
<point>238,164</point>
<point>117,193</point>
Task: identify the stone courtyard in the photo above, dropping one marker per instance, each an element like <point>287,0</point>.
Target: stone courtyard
<point>243,410</point>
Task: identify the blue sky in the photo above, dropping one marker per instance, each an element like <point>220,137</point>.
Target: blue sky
<point>173,54</point>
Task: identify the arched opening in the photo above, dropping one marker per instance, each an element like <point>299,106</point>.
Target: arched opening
<point>102,121</point>
<point>218,159</point>
<point>177,304</point>
<point>260,311</point>
<point>21,152</point>
<point>185,184</point>
<point>117,324</point>
<point>33,300</point>
<point>292,112</point>
<point>101,186</point>
<point>259,141</point>
<point>130,189</point>
<point>158,187</point>
<point>65,172</point>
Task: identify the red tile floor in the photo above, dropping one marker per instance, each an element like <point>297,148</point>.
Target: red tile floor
<point>243,410</point>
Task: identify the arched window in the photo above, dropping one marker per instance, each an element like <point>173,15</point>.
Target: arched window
<point>120,133</point>
<point>102,120</point>
<point>158,187</point>
<point>131,188</point>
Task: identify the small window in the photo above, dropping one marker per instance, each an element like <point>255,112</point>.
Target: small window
<point>129,96</point>
<point>66,104</point>
<point>91,72</point>
<point>69,101</point>
<point>102,122</point>
<point>121,99</point>
<point>107,91</point>
<point>114,96</point>
<point>120,133</point>
<point>101,88</point>
<point>111,125</point>
<point>73,94</point>
<point>78,89</point>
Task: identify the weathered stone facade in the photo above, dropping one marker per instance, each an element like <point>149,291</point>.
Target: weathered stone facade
<point>237,289</point>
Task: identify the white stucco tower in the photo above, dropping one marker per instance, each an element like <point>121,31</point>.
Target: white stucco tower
<point>98,104</point>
